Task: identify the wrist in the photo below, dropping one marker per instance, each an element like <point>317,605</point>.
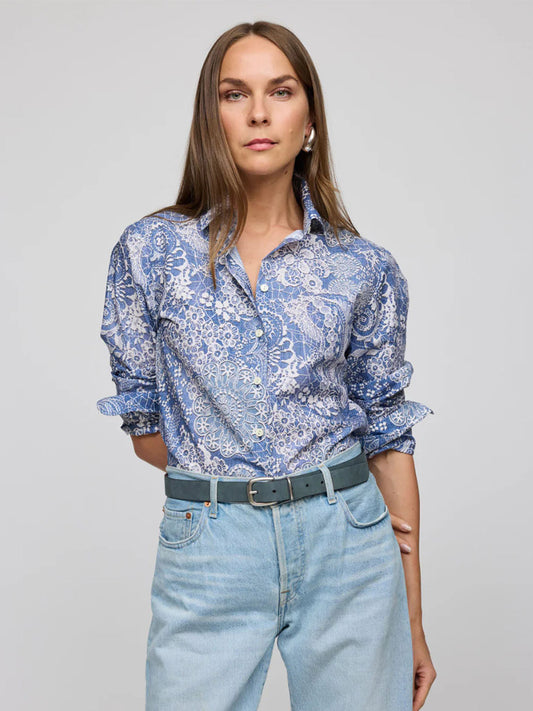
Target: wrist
<point>416,625</point>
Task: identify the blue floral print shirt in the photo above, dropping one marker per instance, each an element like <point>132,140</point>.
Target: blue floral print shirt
<point>252,386</point>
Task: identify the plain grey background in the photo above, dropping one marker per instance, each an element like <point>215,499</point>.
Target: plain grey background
<point>430,113</point>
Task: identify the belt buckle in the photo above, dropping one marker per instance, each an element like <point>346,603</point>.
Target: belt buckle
<point>251,491</point>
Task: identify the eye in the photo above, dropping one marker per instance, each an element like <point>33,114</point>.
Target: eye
<point>231,93</point>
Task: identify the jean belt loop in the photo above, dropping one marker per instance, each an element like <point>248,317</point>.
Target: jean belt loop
<point>332,497</point>
<point>213,496</point>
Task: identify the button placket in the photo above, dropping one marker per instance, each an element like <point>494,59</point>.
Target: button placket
<point>258,380</point>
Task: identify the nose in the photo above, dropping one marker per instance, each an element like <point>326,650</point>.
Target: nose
<point>258,114</point>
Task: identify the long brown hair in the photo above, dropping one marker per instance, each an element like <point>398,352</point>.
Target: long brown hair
<point>210,177</point>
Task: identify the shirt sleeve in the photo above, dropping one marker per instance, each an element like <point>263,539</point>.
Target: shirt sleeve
<point>128,330</point>
<point>377,370</point>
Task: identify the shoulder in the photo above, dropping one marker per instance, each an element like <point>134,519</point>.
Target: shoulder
<point>151,237</point>
<point>377,261</point>
<point>142,247</point>
<point>151,231</point>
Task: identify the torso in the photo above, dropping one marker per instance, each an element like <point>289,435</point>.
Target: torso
<point>253,251</point>
<point>252,257</point>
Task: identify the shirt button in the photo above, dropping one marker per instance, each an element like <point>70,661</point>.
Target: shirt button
<point>259,431</point>
<point>257,380</point>
<point>259,332</point>
<point>264,287</point>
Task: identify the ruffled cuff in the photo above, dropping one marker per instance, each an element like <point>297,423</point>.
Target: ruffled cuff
<point>393,431</point>
<point>140,423</point>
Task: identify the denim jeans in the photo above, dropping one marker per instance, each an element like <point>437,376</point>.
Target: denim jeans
<point>322,575</point>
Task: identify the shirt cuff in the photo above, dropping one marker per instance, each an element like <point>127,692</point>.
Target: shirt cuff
<point>140,423</point>
<point>129,401</point>
<point>404,443</point>
<point>394,431</point>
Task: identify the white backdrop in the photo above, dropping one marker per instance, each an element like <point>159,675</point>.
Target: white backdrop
<point>430,113</point>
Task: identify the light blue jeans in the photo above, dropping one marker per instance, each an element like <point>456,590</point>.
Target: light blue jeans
<point>322,575</point>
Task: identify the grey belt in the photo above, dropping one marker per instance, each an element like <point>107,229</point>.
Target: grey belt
<point>268,490</point>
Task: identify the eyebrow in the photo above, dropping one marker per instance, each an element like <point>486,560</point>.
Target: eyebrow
<point>240,83</point>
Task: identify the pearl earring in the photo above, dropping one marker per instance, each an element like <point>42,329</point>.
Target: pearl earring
<point>308,146</point>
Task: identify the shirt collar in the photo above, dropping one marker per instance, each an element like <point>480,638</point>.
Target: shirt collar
<point>312,221</point>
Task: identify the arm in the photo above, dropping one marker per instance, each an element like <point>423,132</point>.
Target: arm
<point>152,449</point>
<point>379,374</point>
<point>129,331</point>
<point>396,477</point>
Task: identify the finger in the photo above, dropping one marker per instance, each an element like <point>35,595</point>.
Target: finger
<point>421,686</point>
<point>420,695</point>
<point>400,523</point>
<point>404,546</point>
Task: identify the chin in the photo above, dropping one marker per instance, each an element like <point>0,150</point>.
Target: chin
<point>263,171</point>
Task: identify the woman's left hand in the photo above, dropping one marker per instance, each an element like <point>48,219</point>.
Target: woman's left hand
<point>424,673</point>
<point>397,525</point>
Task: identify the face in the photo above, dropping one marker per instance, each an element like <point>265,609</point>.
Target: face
<point>262,99</point>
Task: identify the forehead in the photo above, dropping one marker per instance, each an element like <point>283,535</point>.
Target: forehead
<point>255,58</point>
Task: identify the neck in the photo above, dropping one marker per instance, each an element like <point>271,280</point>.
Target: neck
<point>271,204</point>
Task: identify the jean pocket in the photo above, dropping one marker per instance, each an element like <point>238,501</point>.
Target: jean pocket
<point>182,523</point>
<point>363,504</point>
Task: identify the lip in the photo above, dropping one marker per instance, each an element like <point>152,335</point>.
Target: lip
<point>259,145</point>
<point>260,140</point>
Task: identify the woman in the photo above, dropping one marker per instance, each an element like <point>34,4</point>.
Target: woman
<point>257,346</point>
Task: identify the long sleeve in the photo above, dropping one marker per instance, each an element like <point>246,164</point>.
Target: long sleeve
<point>128,329</point>
<point>377,369</point>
